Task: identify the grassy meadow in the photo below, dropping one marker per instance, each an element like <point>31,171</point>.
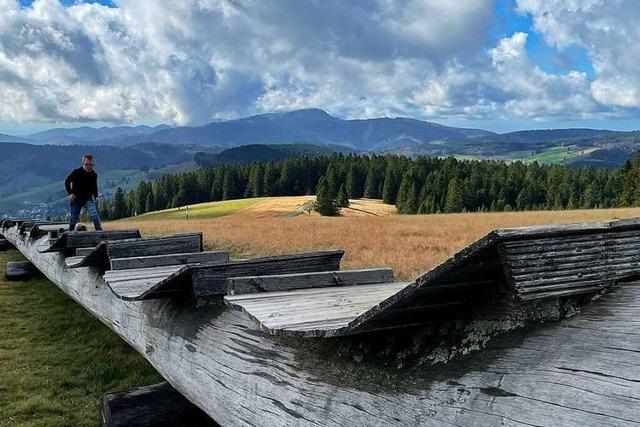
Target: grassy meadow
<point>56,360</point>
<point>370,232</point>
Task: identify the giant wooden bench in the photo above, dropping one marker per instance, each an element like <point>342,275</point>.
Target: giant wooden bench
<point>226,360</point>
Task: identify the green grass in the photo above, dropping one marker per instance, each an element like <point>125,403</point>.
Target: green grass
<point>556,155</point>
<point>203,210</point>
<point>56,360</point>
<point>549,156</point>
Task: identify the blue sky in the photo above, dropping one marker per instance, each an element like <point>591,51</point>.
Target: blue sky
<point>501,65</point>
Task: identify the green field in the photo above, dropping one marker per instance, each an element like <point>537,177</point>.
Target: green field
<point>203,210</point>
<point>549,156</point>
<point>56,360</point>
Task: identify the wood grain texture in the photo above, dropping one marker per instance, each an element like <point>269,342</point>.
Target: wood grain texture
<point>313,311</point>
<point>171,259</point>
<point>84,239</point>
<point>158,405</point>
<point>210,279</point>
<point>177,243</point>
<point>583,371</point>
<point>570,264</point>
<point>102,254</point>
<point>149,283</point>
<point>283,282</point>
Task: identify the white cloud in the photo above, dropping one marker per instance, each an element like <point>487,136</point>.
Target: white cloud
<point>609,32</point>
<point>191,61</point>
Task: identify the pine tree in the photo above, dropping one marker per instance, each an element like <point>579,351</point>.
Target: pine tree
<point>230,185</point>
<point>325,204</point>
<point>342,200</point>
<point>353,183</point>
<point>150,203</point>
<point>454,201</point>
<point>390,187</point>
<point>119,204</point>
<point>371,183</point>
<point>270,186</point>
<point>256,180</point>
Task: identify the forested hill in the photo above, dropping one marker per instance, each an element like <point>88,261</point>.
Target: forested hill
<point>421,185</point>
<point>264,153</point>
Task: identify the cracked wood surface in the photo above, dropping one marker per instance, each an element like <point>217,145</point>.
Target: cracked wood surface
<point>580,371</point>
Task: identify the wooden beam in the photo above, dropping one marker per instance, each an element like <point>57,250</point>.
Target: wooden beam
<point>210,279</point>
<point>84,239</point>
<point>103,254</point>
<point>177,243</point>
<point>283,282</point>
<point>20,270</point>
<point>312,312</point>
<point>170,259</point>
<point>149,283</point>
<point>158,405</point>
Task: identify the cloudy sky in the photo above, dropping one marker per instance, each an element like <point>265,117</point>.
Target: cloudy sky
<point>500,65</point>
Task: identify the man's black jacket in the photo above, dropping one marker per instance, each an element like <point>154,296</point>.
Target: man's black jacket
<point>82,184</point>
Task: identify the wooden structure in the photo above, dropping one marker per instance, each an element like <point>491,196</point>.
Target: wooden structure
<point>20,270</point>
<point>229,359</point>
<point>158,405</point>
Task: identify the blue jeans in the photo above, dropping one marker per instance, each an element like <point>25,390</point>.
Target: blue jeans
<point>76,207</point>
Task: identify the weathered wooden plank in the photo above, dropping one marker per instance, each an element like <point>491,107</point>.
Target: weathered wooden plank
<point>11,222</point>
<point>51,228</point>
<point>73,261</point>
<point>210,279</point>
<point>252,284</point>
<point>158,405</point>
<point>148,283</point>
<point>293,314</point>
<point>20,270</point>
<point>559,230</point>
<point>84,239</point>
<point>568,241</point>
<point>581,371</point>
<point>84,251</point>
<point>97,257</point>
<point>171,259</point>
<point>175,244</point>
<point>103,254</point>
<point>579,269</point>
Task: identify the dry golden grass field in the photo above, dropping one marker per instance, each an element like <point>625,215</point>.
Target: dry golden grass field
<point>371,233</point>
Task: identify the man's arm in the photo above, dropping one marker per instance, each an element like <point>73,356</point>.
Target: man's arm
<point>68,181</point>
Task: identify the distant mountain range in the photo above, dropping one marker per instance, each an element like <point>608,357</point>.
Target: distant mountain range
<point>45,157</point>
<point>316,127</point>
<point>309,126</point>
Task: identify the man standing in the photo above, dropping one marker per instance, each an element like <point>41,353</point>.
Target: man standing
<point>82,186</point>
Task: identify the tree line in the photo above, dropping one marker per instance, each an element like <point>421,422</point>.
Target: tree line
<point>420,185</point>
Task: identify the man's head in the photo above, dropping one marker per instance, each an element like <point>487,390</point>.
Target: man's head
<point>88,162</point>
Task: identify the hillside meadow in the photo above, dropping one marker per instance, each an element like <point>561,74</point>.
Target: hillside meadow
<point>370,233</point>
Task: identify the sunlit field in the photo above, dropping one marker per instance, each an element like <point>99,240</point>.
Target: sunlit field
<point>410,244</point>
